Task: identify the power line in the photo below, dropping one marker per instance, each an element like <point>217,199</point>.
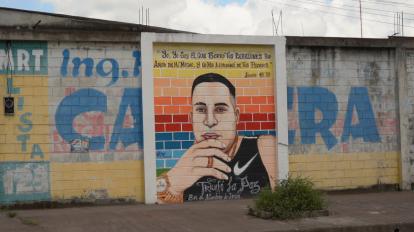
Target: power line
<point>390,3</point>
<point>340,8</point>
<point>360,15</point>
<point>330,12</point>
<point>356,7</point>
<point>394,2</point>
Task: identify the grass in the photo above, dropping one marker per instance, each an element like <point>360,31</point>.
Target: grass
<point>162,171</point>
<point>25,221</point>
<point>11,214</point>
<point>28,221</point>
<point>291,198</point>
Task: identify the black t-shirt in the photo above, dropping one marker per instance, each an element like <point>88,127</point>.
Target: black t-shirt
<point>247,178</point>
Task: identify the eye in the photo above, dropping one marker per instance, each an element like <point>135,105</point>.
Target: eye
<point>201,109</point>
<point>221,109</point>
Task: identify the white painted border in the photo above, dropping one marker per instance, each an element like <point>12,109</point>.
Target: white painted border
<point>148,118</point>
<point>282,112</point>
<point>147,41</point>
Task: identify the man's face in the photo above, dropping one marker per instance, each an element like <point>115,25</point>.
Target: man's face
<point>214,113</point>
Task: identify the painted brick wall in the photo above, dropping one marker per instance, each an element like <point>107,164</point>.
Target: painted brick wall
<point>24,150</point>
<point>173,127</point>
<point>77,133</point>
<point>77,130</point>
<point>343,124</point>
<point>175,135</point>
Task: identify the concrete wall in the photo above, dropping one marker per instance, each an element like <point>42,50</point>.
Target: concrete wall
<point>405,73</point>
<point>343,116</point>
<point>77,129</point>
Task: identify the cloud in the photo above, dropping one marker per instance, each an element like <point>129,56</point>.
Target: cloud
<point>246,17</point>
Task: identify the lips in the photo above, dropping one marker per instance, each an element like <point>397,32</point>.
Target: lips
<point>210,136</point>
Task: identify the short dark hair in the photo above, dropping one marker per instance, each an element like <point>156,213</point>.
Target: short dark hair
<point>214,77</point>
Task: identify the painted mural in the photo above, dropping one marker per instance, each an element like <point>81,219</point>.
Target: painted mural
<point>215,121</point>
<point>24,150</point>
<point>77,127</point>
<point>343,117</point>
<point>318,114</point>
<point>96,121</point>
<point>97,108</point>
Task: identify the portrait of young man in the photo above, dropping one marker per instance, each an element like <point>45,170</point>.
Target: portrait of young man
<point>220,164</point>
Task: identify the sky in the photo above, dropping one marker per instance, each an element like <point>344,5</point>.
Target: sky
<point>337,18</point>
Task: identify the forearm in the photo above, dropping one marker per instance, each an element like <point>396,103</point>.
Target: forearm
<point>168,195</point>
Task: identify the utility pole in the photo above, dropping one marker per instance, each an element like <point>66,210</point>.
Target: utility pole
<point>301,25</point>
<point>360,15</point>
<point>402,23</point>
<point>142,14</point>
<point>281,21</point>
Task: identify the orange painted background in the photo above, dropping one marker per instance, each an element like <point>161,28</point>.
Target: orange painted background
<point>174,75</point>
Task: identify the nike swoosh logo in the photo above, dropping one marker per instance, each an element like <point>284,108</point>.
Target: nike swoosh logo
<point>237,171</point>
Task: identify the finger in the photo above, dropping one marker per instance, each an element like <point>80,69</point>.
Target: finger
<point>202,162</point>
<point>221,166</point>
<point>212,152</point>
<point>197,171</point>
<point>209,143</point>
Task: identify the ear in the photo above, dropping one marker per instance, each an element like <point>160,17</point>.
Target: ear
<point>237,112</point>
<point>190,116</point>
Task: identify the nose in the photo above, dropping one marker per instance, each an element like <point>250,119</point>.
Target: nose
<point>210,120</point>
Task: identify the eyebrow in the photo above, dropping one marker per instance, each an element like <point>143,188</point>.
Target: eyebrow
<point>200,104</point>
<point>217,104</point>
<point>221,104</point>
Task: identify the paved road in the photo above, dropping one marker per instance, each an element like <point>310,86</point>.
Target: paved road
<point>349,212</point>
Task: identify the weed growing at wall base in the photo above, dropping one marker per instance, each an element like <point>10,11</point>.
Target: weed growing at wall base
<point>11,214</point>
<point>291,198</point>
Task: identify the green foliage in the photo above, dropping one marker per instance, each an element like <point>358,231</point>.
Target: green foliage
<point>11,214</point>
<point>28,221</point>
<point>162,171</point>
<point>292,198</point>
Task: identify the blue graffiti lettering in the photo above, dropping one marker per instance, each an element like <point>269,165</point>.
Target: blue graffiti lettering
<point>292,133</point>
<point>23,139</point>
<point>79,102</point>
<point>20,103</point>
<point>24,118</point>
<point>65,63</point>
<point>77,63</point>
<point>137,65</point>
<point>10,88</point>
<point>128,136</point>
<point>366,128</point>
<point>36,151</point>
<point>68,110</point>
<point>310,99</point>
<point>113,72</point>
<point>313,99</point>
